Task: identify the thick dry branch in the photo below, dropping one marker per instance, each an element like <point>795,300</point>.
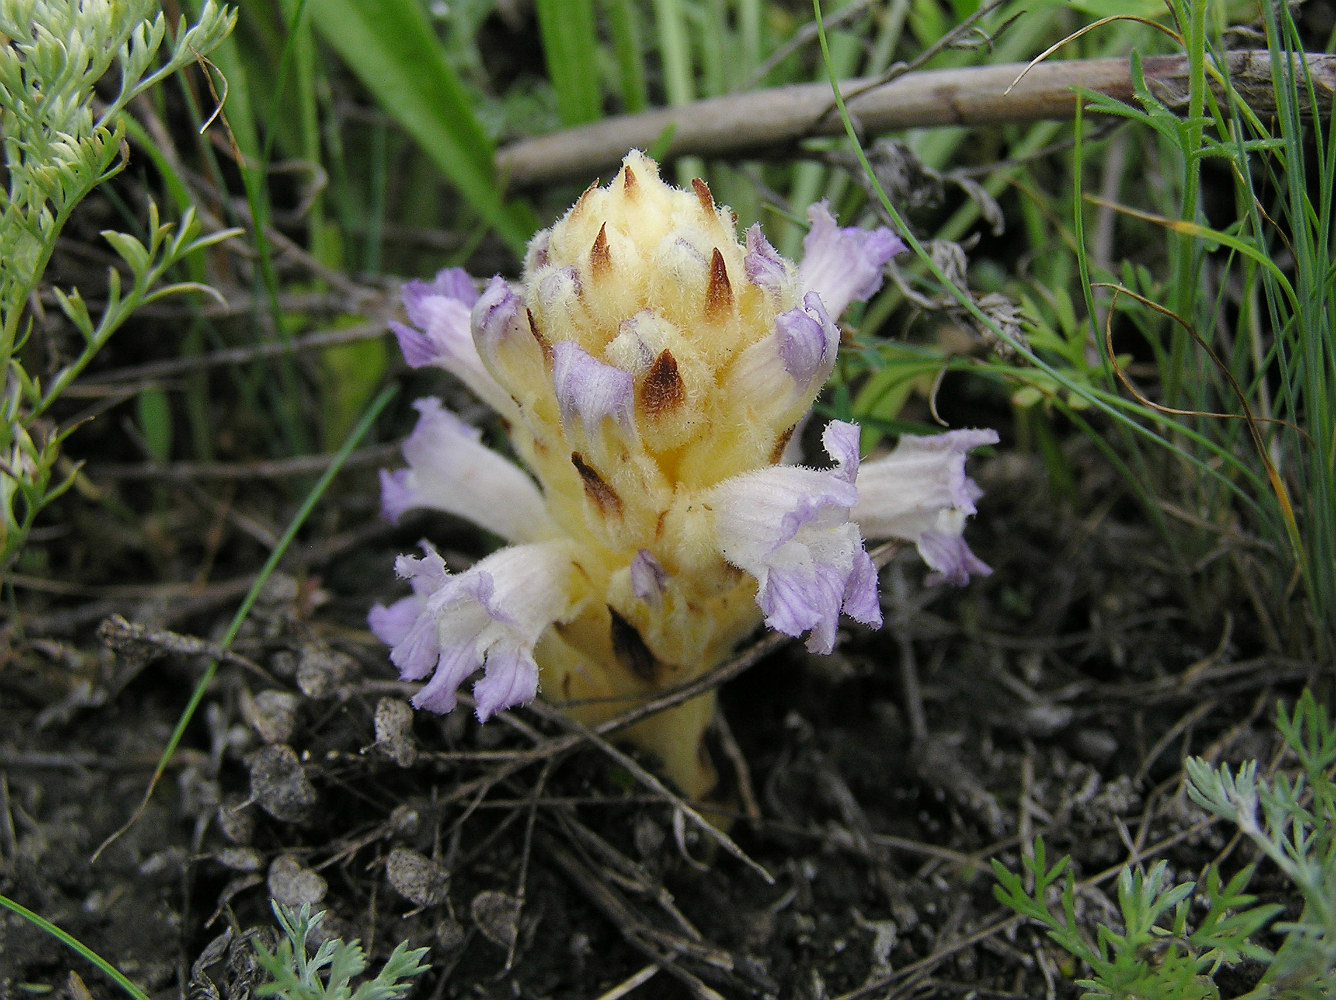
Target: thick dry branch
<point>767,120</point>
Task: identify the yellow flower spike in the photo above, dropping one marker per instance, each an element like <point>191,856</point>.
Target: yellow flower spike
<point>651,368</point>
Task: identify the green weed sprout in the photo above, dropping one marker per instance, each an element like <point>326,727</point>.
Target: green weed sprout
<point>1292,821</point>
<point>1166,949</point>
<point>327,975</point>
<point>60,142</point>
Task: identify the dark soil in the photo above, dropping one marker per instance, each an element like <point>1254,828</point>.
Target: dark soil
<point>1056,697</point>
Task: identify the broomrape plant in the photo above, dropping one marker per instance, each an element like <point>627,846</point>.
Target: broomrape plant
<point>59,144</point>
<point>651,371</point>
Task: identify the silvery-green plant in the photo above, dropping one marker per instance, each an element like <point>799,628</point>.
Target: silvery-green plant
<point>1167,948</point>
<point>327,974</point>
<point>61,140</point>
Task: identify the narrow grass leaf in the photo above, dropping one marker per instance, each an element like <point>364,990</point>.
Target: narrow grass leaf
<point>261,578</point>
<point>571,50</point>
<point>75,945</point>
<point>392,50</point>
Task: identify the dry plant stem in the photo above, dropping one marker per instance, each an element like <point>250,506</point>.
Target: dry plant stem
<point>137,376</point>
<point>639,935</point>
<point>768,120</point>
<point>244,472</point>
<point>652,783</point>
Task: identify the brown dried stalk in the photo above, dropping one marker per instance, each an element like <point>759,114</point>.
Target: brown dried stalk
<point>766,121</point>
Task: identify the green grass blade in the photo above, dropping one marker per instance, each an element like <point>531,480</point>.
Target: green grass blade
<point>391,48</point>
<point>261,578</point>
<point>570,47</point>
<point>623,24</point>
<point>75,945</point>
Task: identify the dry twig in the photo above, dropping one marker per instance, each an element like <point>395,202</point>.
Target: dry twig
<point>773,119</point>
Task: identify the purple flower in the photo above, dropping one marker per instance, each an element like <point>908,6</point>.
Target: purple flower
<point>441,334</point>
<point>590,391</point>
<point>789,528</point>
<point>497,315</point>
<point>948,555</point>
<point>808,340</point>
<point>651,371</point>
<point>648,577</point>
<point>414,646</point>
<point>844,265</point>
<point>488,617</point>
<point>450,469</point>
<point>763,264</point>
<point>791,365</point>
<point>920,493</point>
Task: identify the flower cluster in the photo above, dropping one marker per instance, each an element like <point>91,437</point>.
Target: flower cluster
<point>651,370</point>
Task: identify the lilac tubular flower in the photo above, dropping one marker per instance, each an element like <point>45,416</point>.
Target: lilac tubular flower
<point>451,470</point>
<point>488,617</point>
<point>763,264</point>
<point>654,372</point>
<point>589,390</point>
<point>844,265</point>
<point>920,493</point>
<point>789,528</point>
<point>440,334</point>
<point>794,361</point>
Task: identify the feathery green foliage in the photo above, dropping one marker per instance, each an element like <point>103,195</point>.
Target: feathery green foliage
<point>59,144</point>
<point>328,974</point>
<point>1175,938</point>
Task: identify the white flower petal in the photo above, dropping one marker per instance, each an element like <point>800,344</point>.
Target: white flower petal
<point>920,493</point>
<point>488,617</point>
<point>450,469</point>
<point>844,265</point>
<point>789,528</point>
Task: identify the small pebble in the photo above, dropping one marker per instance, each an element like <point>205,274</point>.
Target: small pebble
<point>416,877</point>
<point>497,915</point>
<point>292,885</point>
<point>321,671</point>
<point>279,784</point>
<point>394,731</point>
<point>271,713</point>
